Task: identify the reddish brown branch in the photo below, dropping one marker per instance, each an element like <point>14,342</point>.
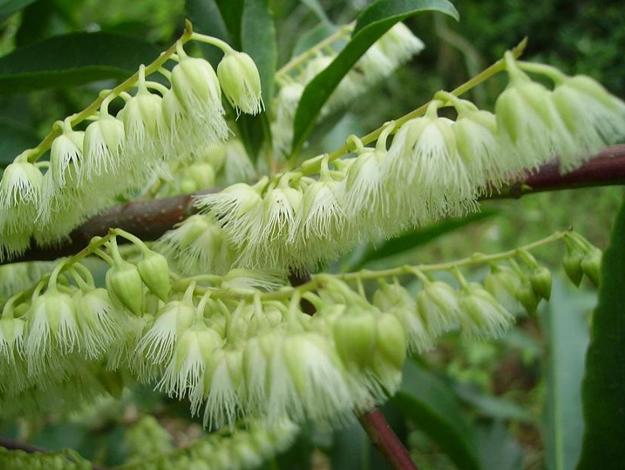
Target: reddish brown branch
<point>381,434</point>
<point>150,219</point>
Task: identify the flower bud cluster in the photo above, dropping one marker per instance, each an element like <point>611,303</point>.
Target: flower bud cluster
<point>393,49</point>
<point>145,439</point>
<point>240,448</point>
<point>21,460</point>
<point>118,154</point>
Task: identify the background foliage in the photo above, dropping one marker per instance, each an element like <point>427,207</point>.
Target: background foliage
<point>510,404</point>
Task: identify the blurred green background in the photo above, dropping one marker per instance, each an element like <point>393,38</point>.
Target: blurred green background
<point>502,388</point>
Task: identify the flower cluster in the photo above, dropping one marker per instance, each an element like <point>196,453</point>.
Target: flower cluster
<point>21,460</point>
<point>118,154</point>
<point>434,167</point>
<point>391,51</point>
<point>241,345</point>
<point>241,448</point>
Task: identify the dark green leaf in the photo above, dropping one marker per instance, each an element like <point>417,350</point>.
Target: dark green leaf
<point>567,330</point>
<point>14,138</point>
<point>492,406</point>
<point>207,19</point>
<point>232,13</point>
<point>8,7</point>
<point>418,237</point>
<point>371,24</point>
<point>318,10</point>
<point>258,39</point>
<point>603,389</point>
<point>311,37</point>
<point>498,449</point>
<point>432,406</point>
<point>73,59</point>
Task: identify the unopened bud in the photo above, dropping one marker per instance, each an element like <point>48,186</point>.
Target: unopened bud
<point>154,272</point>
<point>540,279</point>
<point>528,298</point>
<point>355,337</point>
<point>591,265</point>
<point>390,340</point>
<point>124,283</point>
<point>572,263</point>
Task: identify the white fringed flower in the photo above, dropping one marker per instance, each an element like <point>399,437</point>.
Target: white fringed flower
<point>222,383</point>
<point>240,82</point>
<point>21,183</point>
<point>66,155</point>
<point>103,144</point>
<point>284,107</point>
<point>52,329</point>
<point>158,343</point>
<point>11,340</point>
<point>399,44</point>
<point>322,215</point>
<point>143,121</point>
<point>481,314</point>
<point>437,303</point>
<point>98,321</point>
<point>503,283</point>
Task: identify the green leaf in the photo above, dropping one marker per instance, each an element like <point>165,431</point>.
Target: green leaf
<point>498,449</point>
<point>414,238</point>
<point>567,338</point>
<point>232,12</point>
<point>371,24</point>
<point>258,39</point>
<point>73,59</point>
<point>8,7</point>
<point>311,37</point>
<point>492,406</point>
<point>14,138</point>
<point>603,391</point>
<point>432,406</point>
<point>316,7</point>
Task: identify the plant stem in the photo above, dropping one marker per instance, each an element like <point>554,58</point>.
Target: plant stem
<point>385,439</point>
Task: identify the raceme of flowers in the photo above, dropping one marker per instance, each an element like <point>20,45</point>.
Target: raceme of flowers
<point>434,167</point>
<point>118,155</point>
<point>392,50</point>
<point>236,449</point>
<point>240,345</point>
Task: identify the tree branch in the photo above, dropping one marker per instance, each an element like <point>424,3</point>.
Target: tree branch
<point>150,219</point>
<point>385,439</point>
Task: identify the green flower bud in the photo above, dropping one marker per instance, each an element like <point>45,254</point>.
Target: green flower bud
<point>572,263</point>
<point>154,271</point>
<point>355,338</point>
<point>202,174</point>
<point>528,298</point>
<point>188,185</point>
<point>591,265</point>
<point>390,340</point>
<point>124,283</point>
<point>540,280</point>
<point>240,82</point>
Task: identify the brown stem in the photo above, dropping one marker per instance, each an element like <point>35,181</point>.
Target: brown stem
<point>150,219</point>
<point>387,442</point>
<point>11,444</point>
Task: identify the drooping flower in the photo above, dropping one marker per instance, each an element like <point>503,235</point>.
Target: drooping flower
<point>481,314</point>
<point>240,82</point>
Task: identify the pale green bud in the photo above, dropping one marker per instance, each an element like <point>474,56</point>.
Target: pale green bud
<point>202,174</point>
<point>591,265</point>
<point>572,263</point>
<point>214,155</point>
<point>527,296</point>
<point>124,283</point>
<point>540,279</point>
<point>355,337</point>
<point>390,341</point>
<point>154,271</point>
<point>240,82</point>
<point>196,85</point>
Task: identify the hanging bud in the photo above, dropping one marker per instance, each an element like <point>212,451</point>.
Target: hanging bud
<point>124,283</point>
<point>483,315</point>
<point>502,283</point>
<point>154,272</point>
<point>437,303</point>
<point>572,263</point>
<point>540,279</point>
<point>591,265</point>
<point>354,335</point>
<point>390,344</point>
<point>202,174</point>
<point>527,296</point>
<point>240,82</point>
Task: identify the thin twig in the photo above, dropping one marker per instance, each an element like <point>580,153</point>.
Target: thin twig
<point>150,219</point>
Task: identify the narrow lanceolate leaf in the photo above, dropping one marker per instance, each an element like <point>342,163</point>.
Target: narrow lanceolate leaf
<point>73,59</point>
<point>8,7</point>
<point>433,408</point>
<point>567,331</point>
<point>258,39</point>
<point>603,390</point>
<point>371,24</point>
